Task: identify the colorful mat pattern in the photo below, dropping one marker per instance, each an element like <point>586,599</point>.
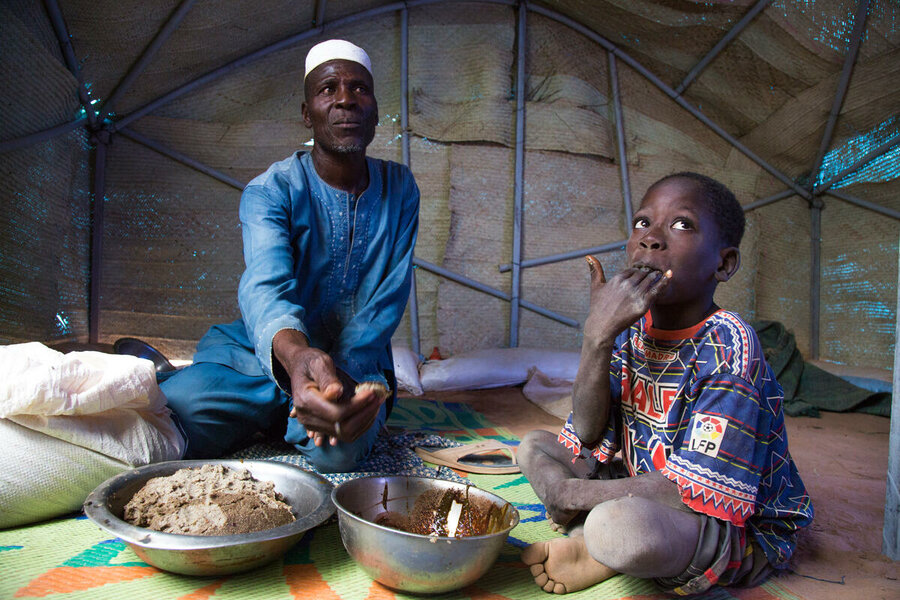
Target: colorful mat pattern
<point>71,558</point>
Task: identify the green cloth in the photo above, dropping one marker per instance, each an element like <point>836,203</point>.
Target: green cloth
<point>807,388</point>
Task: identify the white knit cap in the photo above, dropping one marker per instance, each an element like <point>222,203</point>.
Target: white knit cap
<point>336,50</point>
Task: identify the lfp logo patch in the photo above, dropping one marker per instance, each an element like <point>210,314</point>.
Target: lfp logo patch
<point>707,435</point>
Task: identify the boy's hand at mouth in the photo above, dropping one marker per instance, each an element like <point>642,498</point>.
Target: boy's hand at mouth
<point>621,301</point>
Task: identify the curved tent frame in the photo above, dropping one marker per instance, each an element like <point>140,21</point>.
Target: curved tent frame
<point>101,128</point>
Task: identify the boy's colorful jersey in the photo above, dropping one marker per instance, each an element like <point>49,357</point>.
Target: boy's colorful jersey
<point>702,406</point>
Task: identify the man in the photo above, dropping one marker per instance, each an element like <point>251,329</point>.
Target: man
<point>328,243</point>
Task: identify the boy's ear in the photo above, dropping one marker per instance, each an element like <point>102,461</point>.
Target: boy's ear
<point>729,263</point>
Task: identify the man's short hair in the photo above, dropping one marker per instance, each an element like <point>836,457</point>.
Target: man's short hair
<point>725,209</point>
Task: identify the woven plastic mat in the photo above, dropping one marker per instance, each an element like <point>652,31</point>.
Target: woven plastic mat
<point>71,558</point>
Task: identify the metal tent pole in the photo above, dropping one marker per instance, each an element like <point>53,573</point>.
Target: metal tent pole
<point>91,118</point>
<point>572,254</point>
<point>239,185</point>
<point>550,314</point>
<point>631,62</point>
<point>534,8</point>
<point>183,159</point>
<point>843,84</point>
<point>530,6</point>
<point>890,540</point>
<point>815,238</point>
<point>59,26</point>
<point>248,58</point>
<point>520,178</point>
<point>100,139</point>
<point>620,140</point>
<point>732,33</point>
<point>98,197</point>
<point>146,56</point>
<point>320,12</point>
<point>475,285</point>
<point>404,127</point>
<point>404,84</point>
<point>277,46</point>
<point>864,160</point>
<point>287,42</point>
<point>888,212</point>
<point>769,200</point>
<point>545,260</point>
<point>40,136</point>
<point>817,204</point>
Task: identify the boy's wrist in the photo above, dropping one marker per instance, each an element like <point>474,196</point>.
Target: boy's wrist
<point>595,344</point>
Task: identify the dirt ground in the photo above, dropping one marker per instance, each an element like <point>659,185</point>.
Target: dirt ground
<point>842,458</point>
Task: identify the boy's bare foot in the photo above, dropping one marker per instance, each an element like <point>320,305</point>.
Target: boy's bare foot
<point>572,528</point>
<point>563,565</point>
<point>558,500</point>
<point>561,519</point>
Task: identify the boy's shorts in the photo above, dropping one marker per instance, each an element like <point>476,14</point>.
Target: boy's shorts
<point>723,557</point>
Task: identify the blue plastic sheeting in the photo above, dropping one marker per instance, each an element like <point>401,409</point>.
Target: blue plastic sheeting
<point>883,168</point>
<point>831,23</point>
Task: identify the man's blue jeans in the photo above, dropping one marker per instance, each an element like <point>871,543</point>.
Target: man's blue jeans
<point>219,408</point>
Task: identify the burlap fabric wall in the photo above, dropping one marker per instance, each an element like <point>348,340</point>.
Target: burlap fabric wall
<point>44,188</point>
<point>172,255</point>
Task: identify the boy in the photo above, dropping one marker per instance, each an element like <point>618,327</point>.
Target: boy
<point>708,492</point>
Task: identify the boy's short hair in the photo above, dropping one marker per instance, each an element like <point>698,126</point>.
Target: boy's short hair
<point>726,211</point>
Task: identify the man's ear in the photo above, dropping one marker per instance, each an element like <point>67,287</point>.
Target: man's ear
<point>729,263</point>
<point>306,120</point>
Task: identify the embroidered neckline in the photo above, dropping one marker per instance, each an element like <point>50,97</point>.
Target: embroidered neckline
<point>674,334</point>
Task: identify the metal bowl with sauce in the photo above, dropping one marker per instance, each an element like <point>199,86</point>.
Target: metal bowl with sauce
<point>383,523</point>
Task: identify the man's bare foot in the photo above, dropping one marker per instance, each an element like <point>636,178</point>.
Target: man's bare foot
<point>563,565</point>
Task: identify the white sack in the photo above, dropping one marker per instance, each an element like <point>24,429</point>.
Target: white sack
<point>92,411</point>
<point>406,370</point>
<point>496,367</point>
<point>42,477</point>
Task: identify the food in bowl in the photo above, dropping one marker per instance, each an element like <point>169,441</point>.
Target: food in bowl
<point>308,495</point>
<point>421,563</point>
<point>208,500</point>
<point>451,512</point>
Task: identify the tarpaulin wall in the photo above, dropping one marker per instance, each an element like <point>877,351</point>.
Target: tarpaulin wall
<point>171,255</point>
<point>44,188</point>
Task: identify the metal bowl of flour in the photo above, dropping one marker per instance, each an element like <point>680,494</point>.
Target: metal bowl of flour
<point>308,494</point>
<point>370,509</point>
